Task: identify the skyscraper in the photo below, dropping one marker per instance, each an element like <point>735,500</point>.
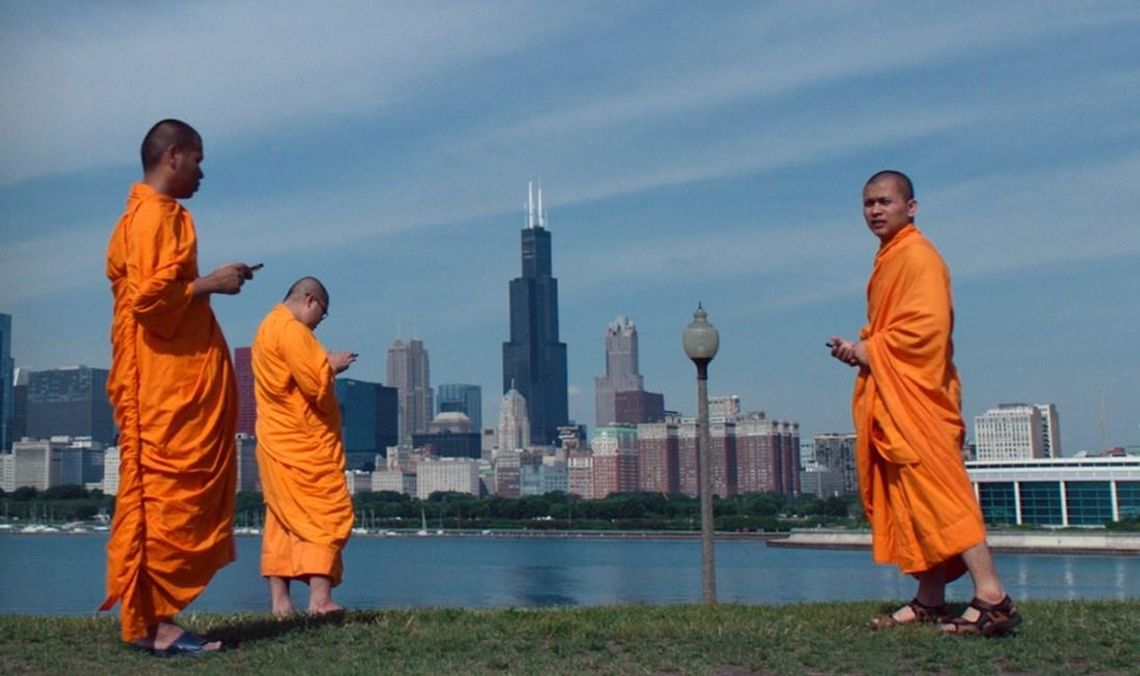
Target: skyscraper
<point>460,398</point>
<point>70,401</point>
<point>408,372</point>
<point>7,368</point>
<point>1050,430</point>
<point>621,369</point>
<point>247,403</point>
<point>369,414</point>
<point>534,361</point>
<point>514,425</point>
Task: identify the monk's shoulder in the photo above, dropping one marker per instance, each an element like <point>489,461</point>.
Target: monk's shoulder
<point>918,250</point>
<point>157,217</point>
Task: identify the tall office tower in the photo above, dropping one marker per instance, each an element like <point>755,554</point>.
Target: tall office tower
<point>70,401</point>
<point>1050,430</point>
<point>368,419</point>
<point>836,453</point>
<point>409,373</point>
<point>534,362</point>
<point>514,423</point>
<point>1009,432</point>
<point>41,464</point>
<point>621,369</point>
<point>615,460</point>
<point>657,458</point>
<point>460,398</point>
<point>247,403</point>
<point>248,476</point>
<point>19,428</point>
<point>7,373</point>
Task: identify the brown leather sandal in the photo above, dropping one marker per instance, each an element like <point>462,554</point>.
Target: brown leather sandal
<point>994,619</point>
<point>923,614</point>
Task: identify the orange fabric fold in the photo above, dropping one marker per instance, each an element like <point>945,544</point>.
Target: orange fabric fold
<point>908,419</point>
<point>300,453</point>
<point>172,388</point>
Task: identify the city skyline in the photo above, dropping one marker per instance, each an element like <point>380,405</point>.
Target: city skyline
<point>707,153</point>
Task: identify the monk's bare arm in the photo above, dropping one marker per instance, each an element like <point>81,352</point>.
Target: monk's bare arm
<point>227,279</point>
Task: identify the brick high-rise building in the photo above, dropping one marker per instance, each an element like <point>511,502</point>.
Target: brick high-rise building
<point>615,460</point>
<point>657,449</point>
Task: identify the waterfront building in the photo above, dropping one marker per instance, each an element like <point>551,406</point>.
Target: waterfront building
<point>534,361</point>
<point>70,401</point>
<point>111,471</point>
<point>43,463</point>
<point>622,373</point>
<point>248,478</point>
<point>816,479</point>
<point>410,373</point>
<point>247,402</point>
<point>358,481</point>
<point>657,449</point>
<point>543,474</point>
<point>1009,432</point>
<point>514,423</point>
<point>442,475</point>
<point>368,418</point>
<point>580,474</point>
<point>461,398</point>
<point>836,452</point>
<point>488,442</point>
<point>615,453</point>
<point>1057,492</point>
<point>722,456</point>
<point>508,479</point>
<point>395,480</point>
<point>91,458</point>
<point>7,381</point>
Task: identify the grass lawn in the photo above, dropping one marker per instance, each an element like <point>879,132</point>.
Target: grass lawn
<point>730,640</point>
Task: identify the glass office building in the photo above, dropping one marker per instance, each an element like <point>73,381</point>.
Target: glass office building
<point>1057,492</point>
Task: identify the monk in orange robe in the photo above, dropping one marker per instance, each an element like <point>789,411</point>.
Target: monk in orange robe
<point>173,392</point>
<point>300,453</point>
<point>908,423</point>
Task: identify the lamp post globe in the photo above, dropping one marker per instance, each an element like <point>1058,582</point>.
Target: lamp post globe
<point>701,341</point>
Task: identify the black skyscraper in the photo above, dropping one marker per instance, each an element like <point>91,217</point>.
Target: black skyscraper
<point>534,362</point>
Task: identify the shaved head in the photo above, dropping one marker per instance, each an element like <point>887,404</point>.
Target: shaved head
<point>162,136</point>
<point>900,179</point>
<point>308,286</point>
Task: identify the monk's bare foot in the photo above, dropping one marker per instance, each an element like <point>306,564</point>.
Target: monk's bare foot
<point>283,611</point>
<point>325,607</point>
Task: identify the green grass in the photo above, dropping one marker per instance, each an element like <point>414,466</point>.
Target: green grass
<point>728,640</point>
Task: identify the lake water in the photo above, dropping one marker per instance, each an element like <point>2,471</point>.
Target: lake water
<point>64,574</point>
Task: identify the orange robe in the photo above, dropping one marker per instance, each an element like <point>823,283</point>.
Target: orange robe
<point>175,400</point>
<point>908,420</point>
<point>300,454</point>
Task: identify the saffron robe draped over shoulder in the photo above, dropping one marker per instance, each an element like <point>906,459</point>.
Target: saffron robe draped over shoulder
<point>172,388</point>
<point>300,453</point>
<point>907,410</point>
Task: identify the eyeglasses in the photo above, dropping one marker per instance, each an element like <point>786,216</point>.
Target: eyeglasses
<point>324,308</point>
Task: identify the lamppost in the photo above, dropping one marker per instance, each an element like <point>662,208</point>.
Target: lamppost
<point>701,340</point>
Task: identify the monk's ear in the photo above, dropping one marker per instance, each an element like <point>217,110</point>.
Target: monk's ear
<point>911,208</point>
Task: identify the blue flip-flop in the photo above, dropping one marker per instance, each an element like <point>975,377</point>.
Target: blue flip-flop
<point>188,643</point>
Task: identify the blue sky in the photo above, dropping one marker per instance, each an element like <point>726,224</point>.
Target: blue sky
<point>689,152</point>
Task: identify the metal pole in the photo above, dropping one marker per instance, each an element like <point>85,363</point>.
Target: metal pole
<point>704,472</point>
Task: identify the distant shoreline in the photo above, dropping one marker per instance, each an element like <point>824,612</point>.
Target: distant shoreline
<point>1051,542</point>
<point>1098,543</point>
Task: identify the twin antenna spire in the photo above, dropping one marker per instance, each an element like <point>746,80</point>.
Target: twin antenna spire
<point>535,213</point>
